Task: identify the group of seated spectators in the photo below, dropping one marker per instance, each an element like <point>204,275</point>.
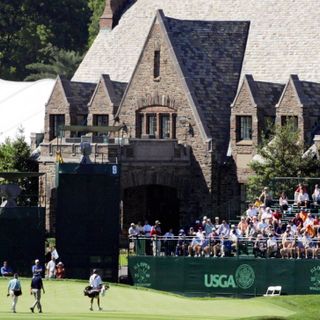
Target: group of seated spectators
<point>262,231</point>
<point>301,198</point>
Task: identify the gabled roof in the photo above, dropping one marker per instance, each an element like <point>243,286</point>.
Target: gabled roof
<point>307,93</point>
<point>78,93</point>
<point>263,94</point>
<point>114,90</point>
<point>250,84</point>
<point>119,89</point>
<point>294,82</point>
<point>283,37</point>
<point>210,55</point>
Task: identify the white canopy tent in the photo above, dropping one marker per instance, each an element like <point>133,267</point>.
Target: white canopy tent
<point>22,104</point>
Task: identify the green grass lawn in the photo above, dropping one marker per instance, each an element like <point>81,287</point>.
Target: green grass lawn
<point>65,300</point>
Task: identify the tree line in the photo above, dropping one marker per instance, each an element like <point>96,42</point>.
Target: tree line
<point>40,39</point>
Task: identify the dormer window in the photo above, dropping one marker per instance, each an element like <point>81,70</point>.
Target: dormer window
<point>156,122</point>
<point>56,123</point>
<point>151,125</point>
<point>100,120</point>
<point>244,128</point>
<point>156,65</point>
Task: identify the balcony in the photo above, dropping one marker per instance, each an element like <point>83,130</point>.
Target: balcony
<point>117,150</point>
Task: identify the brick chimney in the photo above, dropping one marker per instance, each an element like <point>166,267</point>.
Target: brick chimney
<point>106,19</point>
<point>112,13</point>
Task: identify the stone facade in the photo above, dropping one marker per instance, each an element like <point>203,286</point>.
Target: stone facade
<point>168,96</point>
<point>169,92</point>
<point>171,124</point>
<point>297,100</point>
<point>244,150</point>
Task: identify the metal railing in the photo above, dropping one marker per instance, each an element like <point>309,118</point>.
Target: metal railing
<point>219,247</point>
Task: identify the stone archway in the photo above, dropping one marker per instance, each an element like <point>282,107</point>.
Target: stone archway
<point>152,202</point>
<point>155,193</point>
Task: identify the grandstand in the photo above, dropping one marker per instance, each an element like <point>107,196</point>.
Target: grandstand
<point>266,246</point>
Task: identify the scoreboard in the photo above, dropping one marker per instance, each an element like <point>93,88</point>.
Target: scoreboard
<point>87,219</point>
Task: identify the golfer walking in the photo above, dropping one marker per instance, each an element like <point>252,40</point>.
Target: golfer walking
<point>14,290</point>
<point>36,287</point>
<point>96,284</point>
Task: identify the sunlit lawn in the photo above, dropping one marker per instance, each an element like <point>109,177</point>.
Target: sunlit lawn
<point>65,300</point>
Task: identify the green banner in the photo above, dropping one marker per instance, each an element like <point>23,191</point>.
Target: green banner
<point>227,276</point>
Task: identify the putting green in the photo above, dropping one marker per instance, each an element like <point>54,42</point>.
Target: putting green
<point>65,300</point>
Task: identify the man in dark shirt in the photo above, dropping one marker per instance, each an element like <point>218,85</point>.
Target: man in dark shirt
<point>36,286</point>
<point>37,269</point>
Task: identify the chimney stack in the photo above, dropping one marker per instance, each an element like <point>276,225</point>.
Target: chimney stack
<point>106,19</point>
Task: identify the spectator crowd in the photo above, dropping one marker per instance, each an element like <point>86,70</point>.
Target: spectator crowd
<point>268,229</point>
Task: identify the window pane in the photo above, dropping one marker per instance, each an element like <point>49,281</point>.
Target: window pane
<point>174,126</point>
<point>56,123</point>
<point>151,124</point>
<point>156,67</point>
<point>244,128</point>
<point>165,127</point>
<point>100,120</point>
<point>139,124</point>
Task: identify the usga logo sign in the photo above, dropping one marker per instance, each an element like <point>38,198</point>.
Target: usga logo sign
<point>243,278</point>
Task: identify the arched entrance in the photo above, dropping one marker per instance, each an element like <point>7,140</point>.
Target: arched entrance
<point>151,202</point>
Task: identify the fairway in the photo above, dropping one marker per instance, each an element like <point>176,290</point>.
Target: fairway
<point>65,300</point>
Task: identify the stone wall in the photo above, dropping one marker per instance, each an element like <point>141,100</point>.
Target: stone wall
<point>47,192</point>
<point>57,104</point>
<point>100,104</point>
<point>243,151</point>
<point>290,106</point>
<point>168,90</point>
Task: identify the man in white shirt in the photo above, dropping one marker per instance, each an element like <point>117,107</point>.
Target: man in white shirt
<point>316,195</point>
<point>224,229</point>
<point>266,214</point>
<point>51,268</point>
<point>95,283</point>
<point>251,211</point>
<point>169,244</point>
<point>133,231</point>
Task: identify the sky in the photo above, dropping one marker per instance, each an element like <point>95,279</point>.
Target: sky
<point>22,104</point>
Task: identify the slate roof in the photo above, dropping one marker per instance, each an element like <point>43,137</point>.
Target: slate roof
<point>283,37</point>
<point>311,92</point>
<point>210,55</point>
<point>119,89</point>
<point>78,94</point>
<point>269,93</point>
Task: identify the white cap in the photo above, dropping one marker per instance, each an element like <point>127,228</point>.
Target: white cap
<point>36,261</point>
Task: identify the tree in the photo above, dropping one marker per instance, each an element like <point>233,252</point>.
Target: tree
<point>28,26</point>
<point>97,7</point>
<point>282,155</point>
<point>61,62</point>
<point>15,157</point>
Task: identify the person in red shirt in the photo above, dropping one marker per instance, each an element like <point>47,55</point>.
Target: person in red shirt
<point>60,271</point>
